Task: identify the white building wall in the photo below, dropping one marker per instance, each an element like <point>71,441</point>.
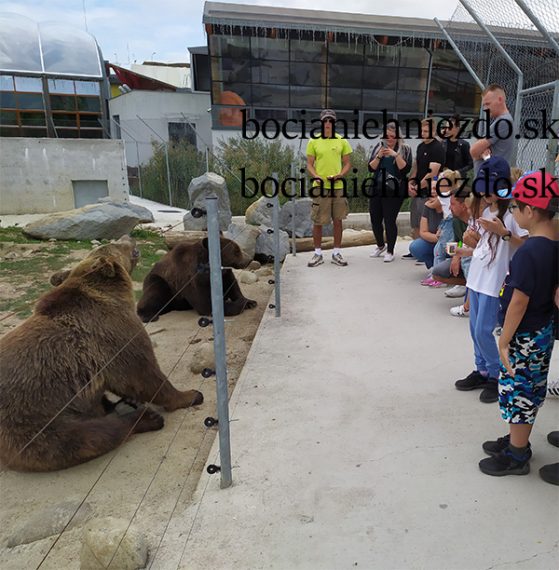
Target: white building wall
<point>177,76</point>
<point>157,109</point>
<point>38,174</point>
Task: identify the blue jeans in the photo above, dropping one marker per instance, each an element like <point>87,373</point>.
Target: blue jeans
<point>447,234</point>
<point>484,312</point>
<point>423,251</point>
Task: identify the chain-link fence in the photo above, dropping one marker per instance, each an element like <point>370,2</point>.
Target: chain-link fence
<point>512,43</point>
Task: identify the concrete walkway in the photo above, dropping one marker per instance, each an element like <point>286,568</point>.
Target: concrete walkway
<point>352,449</point>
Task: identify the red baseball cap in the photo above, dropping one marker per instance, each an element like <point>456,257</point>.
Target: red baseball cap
<point>537,189</point>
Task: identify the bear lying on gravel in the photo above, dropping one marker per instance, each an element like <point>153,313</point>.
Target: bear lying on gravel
<point>181,281</point>
<point>83,338</point>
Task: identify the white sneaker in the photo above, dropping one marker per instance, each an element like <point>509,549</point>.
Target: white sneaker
<point>388,257</point>
<point>456,291</point>
<point>459,311</point>
<point>553,388</point>
<point>378,251</point>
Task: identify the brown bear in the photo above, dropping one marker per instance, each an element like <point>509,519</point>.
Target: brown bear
<point>83,338</point>
<point>181,281</point>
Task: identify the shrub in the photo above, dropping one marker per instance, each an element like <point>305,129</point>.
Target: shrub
<point>185,163</point>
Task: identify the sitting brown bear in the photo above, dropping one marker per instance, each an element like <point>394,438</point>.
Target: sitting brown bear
<point>181,281</point>
<point>83,338</point>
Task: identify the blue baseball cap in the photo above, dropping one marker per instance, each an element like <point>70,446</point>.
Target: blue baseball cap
<point>493,177</point>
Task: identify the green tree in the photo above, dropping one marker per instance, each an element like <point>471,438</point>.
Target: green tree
<point>185,163</point>
<point>259,159</point>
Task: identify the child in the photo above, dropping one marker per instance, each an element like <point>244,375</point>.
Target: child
<point>500,236</point>
<point>526,315</point>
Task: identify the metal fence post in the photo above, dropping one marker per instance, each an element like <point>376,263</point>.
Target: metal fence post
<point>214,248</point>
<point>293,203</point>
<point>166,158</point>
<point>553,145</point>
<point>275,221</point>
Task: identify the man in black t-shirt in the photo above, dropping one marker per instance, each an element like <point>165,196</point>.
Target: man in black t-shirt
<point>430,157</point>
<point>457,151</point>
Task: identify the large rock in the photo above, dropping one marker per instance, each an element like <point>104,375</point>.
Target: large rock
<point>245,236</point>
<point>95,221</point>
<point>145,215</point>
<point>110,541</point>
<point>265,243</point>
<point>50,521</point>
<point>199,188</point>
<point>303,223</point>
<point>259,213</point>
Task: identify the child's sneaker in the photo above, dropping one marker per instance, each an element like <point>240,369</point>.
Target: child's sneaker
<point>490,393</point>
<point>495,447</point>
<point>550,473</point>
<point>459,311</point>
<point>378,251</point>
<point>472,381</point>
<point>436,284</point>
<point>315,260</point>
<point>505,463</point>
<point>408,257</point>
<point>427,281</point>
<point>388,257</point>
<point>456,291</point>
<point>553,388</point>
<point>337,259</point>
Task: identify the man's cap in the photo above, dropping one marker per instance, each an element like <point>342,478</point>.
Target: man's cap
<point>537,189</point>
<point>493,177</point>
<point>328,114</point>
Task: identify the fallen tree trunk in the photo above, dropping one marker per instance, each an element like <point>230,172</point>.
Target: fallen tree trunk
<point>350,238</point>
<point>173,237</point>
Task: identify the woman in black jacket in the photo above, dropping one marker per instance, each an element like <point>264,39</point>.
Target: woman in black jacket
<point>390,162</point>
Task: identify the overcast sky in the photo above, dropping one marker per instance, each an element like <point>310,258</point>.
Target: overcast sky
<point>162,30</point>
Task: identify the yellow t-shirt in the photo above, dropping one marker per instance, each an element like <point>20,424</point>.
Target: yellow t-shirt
<point>328,155</point>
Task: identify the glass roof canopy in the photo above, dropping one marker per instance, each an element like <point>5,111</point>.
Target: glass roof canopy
<point>49,48</point>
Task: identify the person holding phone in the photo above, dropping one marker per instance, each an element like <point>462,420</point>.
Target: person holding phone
<point>390,162</point>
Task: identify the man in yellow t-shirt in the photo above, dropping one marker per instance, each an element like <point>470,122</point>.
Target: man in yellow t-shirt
<point>328,160</point>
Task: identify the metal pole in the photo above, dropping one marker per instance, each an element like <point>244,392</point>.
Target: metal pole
<point>426,109</point>
<point>534,19</point>
<point>207,160</point>
<point>168,173</point>
<point>214,248</point>
<point>139,171</point>
<point>459,54</point>
<point>293,203</point>
<point>166,158</point>
<point>553,144</point>
<point>275,221</point>
<point>511,62</point>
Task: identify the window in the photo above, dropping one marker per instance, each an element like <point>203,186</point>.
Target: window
<point>345,53</point>
<point>76,108</point>
<point>302,50</point>
<point>270,72</point>
<point>116,127</point>
<point>344,98</point>
<point>345,75</point>
<point>376,77</point>
<point>307,74</point>
<point>270,48</point>
<point>410,101</point>
<point>22,106</point>
<point>307,97</point>
<point>379,99</point>
<point>412,79</point>
<point>201,72</point>
<point>270,95</point>
<point>179,132</point>
<point>232,70</point>
<point>230,46</point>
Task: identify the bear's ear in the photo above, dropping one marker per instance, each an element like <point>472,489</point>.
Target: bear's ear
<point>59,277</point>
<point>205,243</point>
<point>105,266</point>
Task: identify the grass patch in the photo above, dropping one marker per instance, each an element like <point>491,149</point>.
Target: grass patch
<point>30,275</point>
